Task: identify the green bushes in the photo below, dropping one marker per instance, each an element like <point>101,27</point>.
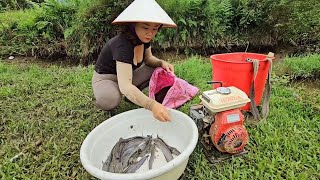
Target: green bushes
<point>224,23</point>
<point>92,28</point>
<point>17,4</point>
<point>79,29</point>
<point>16,32</point>
<point>200,24</point>
<point>58,28</point>
<point>38,31</point>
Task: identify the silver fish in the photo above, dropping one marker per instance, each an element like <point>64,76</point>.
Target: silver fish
<point>152,157</point>
<point>141,152</point>
<point>165,150</point>
<point>147,148</point>
<point>106,164</point>
<point>113,162</point>
<point>130,145</point>
<point>134,167</point>
<point>127,156</point>
<point>173,150</point>
<point>125,153</point>
<point>116,165</point>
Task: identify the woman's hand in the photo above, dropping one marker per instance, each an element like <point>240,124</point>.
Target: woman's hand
<point>160,112</point>
<point>167,66</point>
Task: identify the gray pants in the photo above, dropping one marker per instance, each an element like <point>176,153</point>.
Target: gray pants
<point>106,89</point>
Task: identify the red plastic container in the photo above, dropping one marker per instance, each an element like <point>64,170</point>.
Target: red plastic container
<point>232,69</point>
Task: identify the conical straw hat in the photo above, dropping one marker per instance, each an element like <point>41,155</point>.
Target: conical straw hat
<point>145,11</point>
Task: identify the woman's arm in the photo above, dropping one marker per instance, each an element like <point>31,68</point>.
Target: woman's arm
<point>153,61</point>
<point>124,75</point>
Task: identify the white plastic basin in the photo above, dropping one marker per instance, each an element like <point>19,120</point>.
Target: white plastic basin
<point>181,133</point>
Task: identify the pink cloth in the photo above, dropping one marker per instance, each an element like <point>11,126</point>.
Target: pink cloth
<point>179,93</point>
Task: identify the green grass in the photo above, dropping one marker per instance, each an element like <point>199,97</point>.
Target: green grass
<point>302,67</point>
<point>54,105</point>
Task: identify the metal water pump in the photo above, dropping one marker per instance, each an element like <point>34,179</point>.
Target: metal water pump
<point>219,119</point>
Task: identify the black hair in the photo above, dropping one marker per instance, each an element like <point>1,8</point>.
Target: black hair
<point>131,36</point>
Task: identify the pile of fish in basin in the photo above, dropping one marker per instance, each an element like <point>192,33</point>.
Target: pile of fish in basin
<point>134,145</point>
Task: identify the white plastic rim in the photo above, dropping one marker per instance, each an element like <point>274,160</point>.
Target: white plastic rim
<point>93,170</point>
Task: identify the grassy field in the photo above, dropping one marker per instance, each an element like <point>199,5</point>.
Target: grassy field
<point>46,113</point>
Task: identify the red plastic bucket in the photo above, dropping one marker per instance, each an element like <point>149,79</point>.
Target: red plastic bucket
<point>232,69</point>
